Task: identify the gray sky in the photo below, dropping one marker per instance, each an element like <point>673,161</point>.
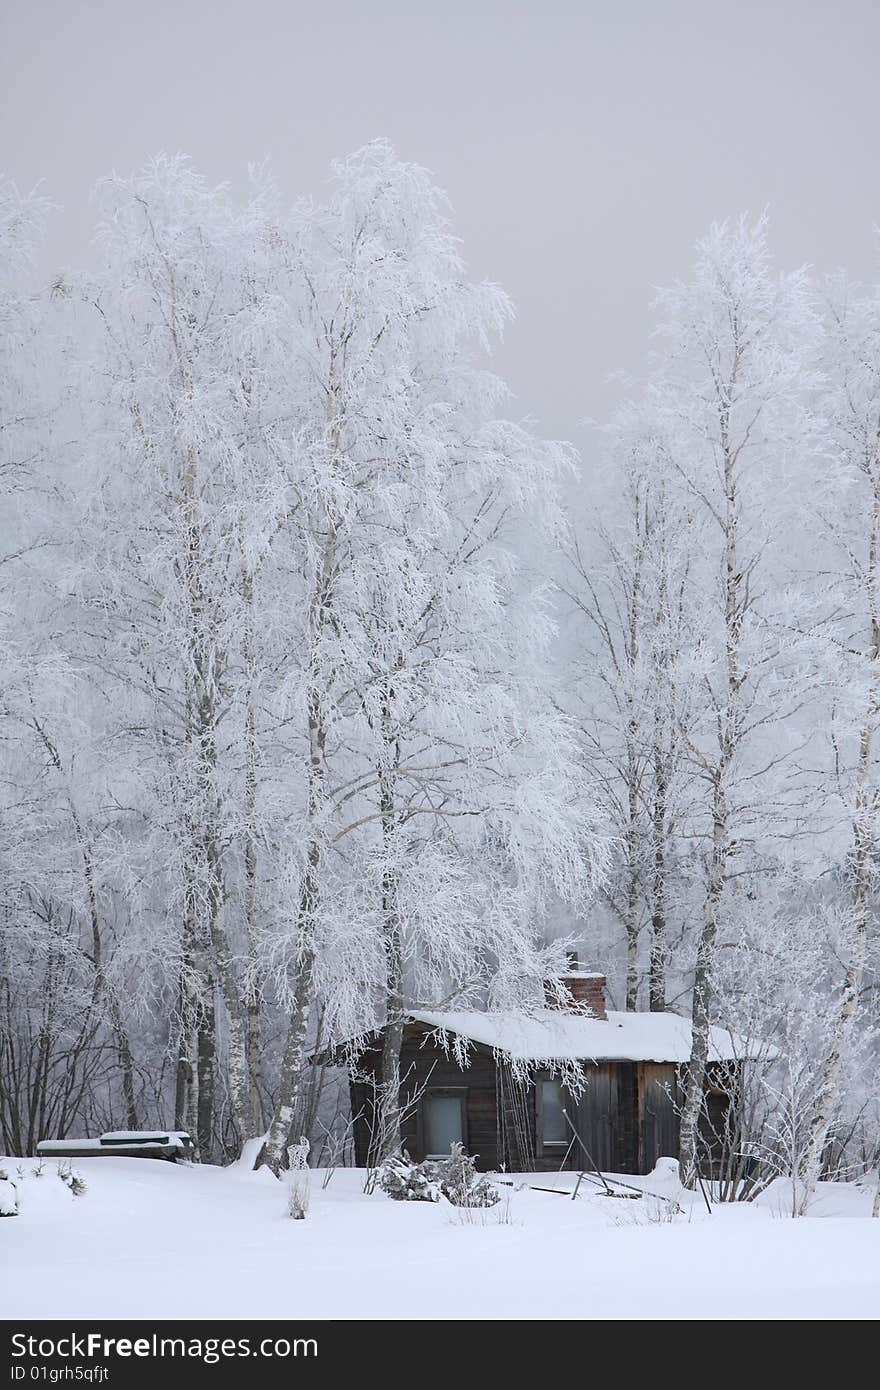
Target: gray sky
<point>584,145</point>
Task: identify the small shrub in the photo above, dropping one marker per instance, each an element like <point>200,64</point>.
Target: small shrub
<point>297,1201</point>
<point>455,1178</point>
<point>500,1215</point>
<point>410,1182</point>
<point>651,1211</point>
<point>462,1185</point>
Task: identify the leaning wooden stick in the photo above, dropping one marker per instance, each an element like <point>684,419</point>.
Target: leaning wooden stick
<point>606,1184</point>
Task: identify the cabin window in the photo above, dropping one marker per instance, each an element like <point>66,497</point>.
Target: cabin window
<point>552,1126</point>
<point>444,1122</point>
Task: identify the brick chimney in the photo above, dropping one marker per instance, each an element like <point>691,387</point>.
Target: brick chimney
<point>585,988</point>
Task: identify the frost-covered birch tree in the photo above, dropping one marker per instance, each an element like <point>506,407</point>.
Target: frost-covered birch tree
<point>186,495</point>
<point>849,506</point>
<point>737,343</point>
<point>633,673</point>
<point>430,733</point>
<point>290,744</point>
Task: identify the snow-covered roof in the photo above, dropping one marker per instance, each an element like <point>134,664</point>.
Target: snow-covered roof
<point>553,1035</point>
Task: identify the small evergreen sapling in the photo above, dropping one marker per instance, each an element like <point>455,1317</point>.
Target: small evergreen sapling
<point>462,1185</point>
<point>411,1182</point>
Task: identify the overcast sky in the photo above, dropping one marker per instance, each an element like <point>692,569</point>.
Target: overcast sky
<point>584,146</point>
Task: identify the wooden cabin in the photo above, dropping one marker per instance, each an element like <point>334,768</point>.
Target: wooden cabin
<point>496,1083</point>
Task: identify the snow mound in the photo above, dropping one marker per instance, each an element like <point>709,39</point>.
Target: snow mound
<point>40,1189</point>
<point>250,1152</point>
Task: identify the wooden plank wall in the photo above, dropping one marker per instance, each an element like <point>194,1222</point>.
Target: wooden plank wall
<point>424,1064</point>
<point>627,1116</point>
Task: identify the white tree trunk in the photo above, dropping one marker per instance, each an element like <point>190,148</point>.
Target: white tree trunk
<point>695,1073</point>
<point>729,731</point>
<point>291,1106</point>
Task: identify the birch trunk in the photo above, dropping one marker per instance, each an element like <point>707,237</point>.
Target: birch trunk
<point>254,1015</point>
<point>633,778</point>
<point>237,1064</point>
<point>729,716</point>
<point>207,676</point>
<point>252,999</point>
<point>659,946</point>
<point>191,1100</point>
<point>223,966</point>
<point>663,757</point>
<point>290,1107</point>
<point>695,1073</point>
<point>187,1082</point>
<point>632,905</point>
<point>389,1116</point>
<point>389,1092</point>
<point>206,1052</point>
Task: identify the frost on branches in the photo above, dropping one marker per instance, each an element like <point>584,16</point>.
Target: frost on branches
<point>330,691</point>
<point>454,1178</point>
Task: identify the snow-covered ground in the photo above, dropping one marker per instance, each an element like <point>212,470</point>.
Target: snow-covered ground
<point>155,1240</point>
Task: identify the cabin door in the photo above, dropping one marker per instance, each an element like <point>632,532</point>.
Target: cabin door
<point>659,1102</point>
<point>608,1117</point>
<point>626,1121</point>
